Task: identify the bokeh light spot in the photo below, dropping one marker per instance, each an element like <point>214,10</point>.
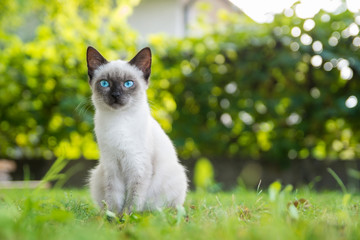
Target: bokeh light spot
<point>295,31</point>
<point>351,102</point>
<point>309,24</point>
<point>226,119</point>
<point>246,118</point>
<point>316,61</point>
<point>328,66</point>
<point>346,73</point>
<point>231,87</point>
<point>317,47</point>
<point>306,39</point>
<point>294,46</point>
<point>325,17</point>
<point>315,92</point>
<point>356,42</point>
<point>353,29</point>
<point>293,119</point>
<point>333,41</point>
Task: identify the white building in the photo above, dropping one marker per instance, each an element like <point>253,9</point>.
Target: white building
<point>171,16</point>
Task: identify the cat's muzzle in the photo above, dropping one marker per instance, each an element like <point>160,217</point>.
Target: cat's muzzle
<point>117,100</point>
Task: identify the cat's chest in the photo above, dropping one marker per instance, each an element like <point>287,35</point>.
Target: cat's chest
<point>121,137</point>
<point>120,134</point>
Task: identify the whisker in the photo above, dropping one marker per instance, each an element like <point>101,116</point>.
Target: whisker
<point>83,107</point>
<point>153,105</point>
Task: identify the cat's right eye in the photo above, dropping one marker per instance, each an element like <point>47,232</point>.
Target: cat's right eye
<point>104,83</point>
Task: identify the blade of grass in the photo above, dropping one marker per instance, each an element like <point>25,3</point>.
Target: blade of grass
<point>54,172</point>
<point>68,174</point>
<point>338,180</point>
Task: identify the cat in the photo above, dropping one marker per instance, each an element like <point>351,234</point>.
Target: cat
<point>138,168</point>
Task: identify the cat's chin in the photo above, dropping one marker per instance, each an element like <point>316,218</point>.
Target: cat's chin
<point>110,107</point>
<point>117,106</point>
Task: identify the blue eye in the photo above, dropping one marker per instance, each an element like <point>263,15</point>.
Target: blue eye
<point>104,83</point>
<point>128,83</point>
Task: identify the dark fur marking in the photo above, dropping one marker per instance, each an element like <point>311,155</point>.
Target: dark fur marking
<point>94,60</point>
<point>142,60</point>
<point>116,94</point>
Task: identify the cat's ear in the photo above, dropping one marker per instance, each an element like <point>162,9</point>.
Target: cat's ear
<point>142,61</point>
<point>94,60</point>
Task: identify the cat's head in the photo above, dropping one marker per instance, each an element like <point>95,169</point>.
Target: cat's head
<point>118,84</point>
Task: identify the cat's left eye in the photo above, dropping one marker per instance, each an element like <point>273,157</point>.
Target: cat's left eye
<point>128,83</point>
<point>104,83</point>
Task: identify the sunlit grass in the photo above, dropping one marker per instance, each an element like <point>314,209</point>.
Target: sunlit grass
<point>271,214</point>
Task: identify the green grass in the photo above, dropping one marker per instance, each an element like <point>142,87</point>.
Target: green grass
<point>70,214</point>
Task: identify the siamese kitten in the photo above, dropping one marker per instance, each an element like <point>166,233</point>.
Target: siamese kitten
<point>138,167</point>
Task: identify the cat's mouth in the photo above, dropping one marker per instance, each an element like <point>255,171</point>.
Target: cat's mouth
<point>117,103</point>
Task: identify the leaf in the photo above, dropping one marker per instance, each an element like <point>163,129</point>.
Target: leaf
<point>111,216</point>
<point>346,199</point>
<point>274,190</point>
<point>293,211</point>
<point>244,213</point>
<point>338,180</point>
<point>301,203</point>
<point>181,214</point>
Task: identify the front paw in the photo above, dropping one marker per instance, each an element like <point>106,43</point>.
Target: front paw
<point>128,210</point>
<point>112,206</point>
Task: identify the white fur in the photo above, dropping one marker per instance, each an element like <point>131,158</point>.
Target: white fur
<point>138,167</point>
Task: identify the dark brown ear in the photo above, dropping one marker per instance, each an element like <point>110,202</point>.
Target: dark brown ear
<point>94,61</point>
<point>142,61</point>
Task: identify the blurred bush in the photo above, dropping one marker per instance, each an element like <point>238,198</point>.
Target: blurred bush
<point>203,174</point>
<point>280,91</point>
<point>44,92</point>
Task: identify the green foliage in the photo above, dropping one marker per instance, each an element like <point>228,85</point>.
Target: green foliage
<point>44,93</point>
<point>203,174</point>
<point>70,214</point>
<point>241,90</point>
<point>250,90</point>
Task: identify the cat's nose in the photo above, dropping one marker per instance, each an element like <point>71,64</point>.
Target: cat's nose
<point>115,94</point>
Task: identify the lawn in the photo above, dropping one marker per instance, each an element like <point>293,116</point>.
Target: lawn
<point>239,214</point>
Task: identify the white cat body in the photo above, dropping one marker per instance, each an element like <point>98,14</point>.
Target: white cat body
<point>138,167</point>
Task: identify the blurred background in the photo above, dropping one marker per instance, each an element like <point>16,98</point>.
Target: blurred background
<point>247,90</point>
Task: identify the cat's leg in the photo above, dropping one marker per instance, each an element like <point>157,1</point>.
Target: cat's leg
<point>181,183</point>
<point>137,186</point>
<point>96,183</point>
<point>114,189</point>
<point>107,186</point>
<point>136,195</point>
<point>168,187</point>
<point>178,185</point>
